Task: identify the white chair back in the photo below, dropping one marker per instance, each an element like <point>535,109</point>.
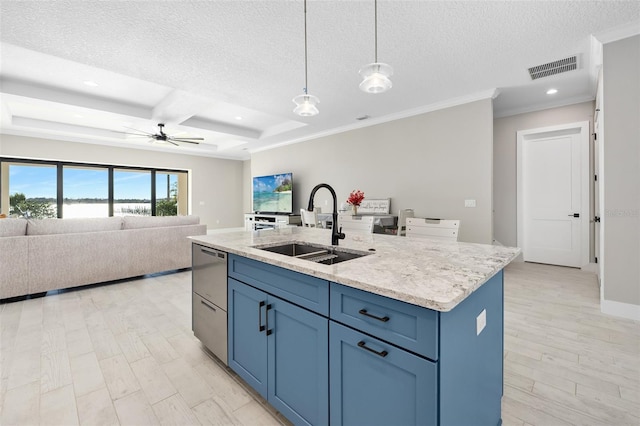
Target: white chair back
<point>433,228</point>
<point>362,224</point>
<point>309,219</point>
<point>402,221</point>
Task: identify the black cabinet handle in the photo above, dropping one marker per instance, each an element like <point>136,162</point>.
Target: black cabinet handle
<point>574,215</point>
<point>362,345</point>
<point>207,305</point>
<point>261,327</point>
<point>367,314</point>
<point>267,315</point>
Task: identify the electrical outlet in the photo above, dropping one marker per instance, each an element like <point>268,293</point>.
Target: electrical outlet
<point>469,203</point>
<point>201,203</point>
<point>481,322</point>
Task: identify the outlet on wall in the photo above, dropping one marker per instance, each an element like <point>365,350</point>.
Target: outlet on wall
<point>469,203</point>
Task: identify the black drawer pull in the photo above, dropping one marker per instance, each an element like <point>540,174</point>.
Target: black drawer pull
<point>261,327</point>
<point>367,314</point>
<point>362,345</point>
<point>208,305</point>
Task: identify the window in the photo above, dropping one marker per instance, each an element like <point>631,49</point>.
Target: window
<point>32,190</point>
<point>86,192</point>
<point>131,193</point>
<point>41,188</point>
<point>171,194</point>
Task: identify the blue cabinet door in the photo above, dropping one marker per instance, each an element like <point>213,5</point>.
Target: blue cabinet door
<point>375,383</point>
<point>298,363</point>
<point>247,342</point>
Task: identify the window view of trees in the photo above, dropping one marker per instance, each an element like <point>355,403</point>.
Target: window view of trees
<point>166,194</point>
<point>30,189</point>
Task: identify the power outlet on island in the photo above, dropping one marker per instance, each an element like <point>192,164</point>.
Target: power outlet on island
<point>481,322</point>
<point>469,203</point>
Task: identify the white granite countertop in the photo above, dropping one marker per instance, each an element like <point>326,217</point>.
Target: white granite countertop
<point>434,274</point>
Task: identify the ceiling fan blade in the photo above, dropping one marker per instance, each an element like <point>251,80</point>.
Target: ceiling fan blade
<point>139,131</point>
<point>184,141</point>
<point>172,142</point>
<point>132,134</point>
<point>187,139</point>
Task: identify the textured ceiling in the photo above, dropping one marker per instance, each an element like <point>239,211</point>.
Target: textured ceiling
<point>197,65</point>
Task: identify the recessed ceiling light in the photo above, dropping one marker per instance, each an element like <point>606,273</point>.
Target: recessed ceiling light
<point>90,83</point>
<point>552,91</point>
<point>237,117</point>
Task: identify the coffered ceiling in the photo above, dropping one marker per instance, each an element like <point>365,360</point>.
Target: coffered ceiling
<point>227,71</point>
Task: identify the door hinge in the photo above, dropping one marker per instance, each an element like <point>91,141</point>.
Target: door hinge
<point>595,136</point>
<point>596,219</point>
<point>596,259</point>
<point>595,177</point>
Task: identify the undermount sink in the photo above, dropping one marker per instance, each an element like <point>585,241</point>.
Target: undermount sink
<point>327,255</point>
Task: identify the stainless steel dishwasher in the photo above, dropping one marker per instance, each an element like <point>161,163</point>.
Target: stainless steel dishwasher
<point>209,309</point>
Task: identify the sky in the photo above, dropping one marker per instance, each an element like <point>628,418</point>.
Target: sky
<point>40,181</point>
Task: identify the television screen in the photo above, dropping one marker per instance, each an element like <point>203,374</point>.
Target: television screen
<point>273,193</point>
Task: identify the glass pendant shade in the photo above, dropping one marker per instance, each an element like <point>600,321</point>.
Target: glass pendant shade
<point>376,78</point>
<point>306,105</point>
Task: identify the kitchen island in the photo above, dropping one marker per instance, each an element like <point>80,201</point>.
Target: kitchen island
<point>410,333</point>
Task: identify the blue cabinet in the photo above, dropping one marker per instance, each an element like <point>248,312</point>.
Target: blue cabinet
<point>376,383</point>
<point>373,361</point>
<point>281,351</point>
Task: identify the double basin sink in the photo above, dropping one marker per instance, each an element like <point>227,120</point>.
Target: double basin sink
<point>327,255</point>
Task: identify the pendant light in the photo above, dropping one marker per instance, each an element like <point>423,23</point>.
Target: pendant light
<point>376,75</point>
<point>306,103</point>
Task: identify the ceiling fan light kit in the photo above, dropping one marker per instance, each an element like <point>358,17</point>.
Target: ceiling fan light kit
<point>161,136</point>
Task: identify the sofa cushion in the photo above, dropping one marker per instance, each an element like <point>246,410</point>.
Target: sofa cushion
<point>13,227</point>
<point>73,226</point>
<point>135,222</point>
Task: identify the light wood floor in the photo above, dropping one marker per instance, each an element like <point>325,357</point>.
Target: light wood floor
<point>125,354</point>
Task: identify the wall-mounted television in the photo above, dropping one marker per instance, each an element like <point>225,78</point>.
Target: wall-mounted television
<point>273,194</point>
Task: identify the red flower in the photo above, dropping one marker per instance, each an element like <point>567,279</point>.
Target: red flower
<point>355,198</point>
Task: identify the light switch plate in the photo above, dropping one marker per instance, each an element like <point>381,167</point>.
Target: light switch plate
<point>469,203</point>
<point>481,322</point>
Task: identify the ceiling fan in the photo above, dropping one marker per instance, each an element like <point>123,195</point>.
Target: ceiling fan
<point>161,136</point>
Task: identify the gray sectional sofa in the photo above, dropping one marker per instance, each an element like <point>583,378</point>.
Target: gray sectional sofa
<point>41,255</point>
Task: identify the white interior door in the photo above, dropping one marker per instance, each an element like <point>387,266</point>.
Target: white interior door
<point>552,202</point>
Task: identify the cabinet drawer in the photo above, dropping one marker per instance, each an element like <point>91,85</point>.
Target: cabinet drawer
<point>303,290</point>
<point>210,326</point>
<point>375,383</point>
<point>409,326</point>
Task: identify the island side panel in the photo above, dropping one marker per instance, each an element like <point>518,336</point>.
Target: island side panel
<point>471,363</point>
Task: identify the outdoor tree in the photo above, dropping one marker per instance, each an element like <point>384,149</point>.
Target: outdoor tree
<point>20,205</point>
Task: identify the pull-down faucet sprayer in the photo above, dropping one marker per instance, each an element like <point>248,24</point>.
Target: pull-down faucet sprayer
<point>335,233</point>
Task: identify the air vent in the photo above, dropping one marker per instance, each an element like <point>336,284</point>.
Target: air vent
<point>552,68</point>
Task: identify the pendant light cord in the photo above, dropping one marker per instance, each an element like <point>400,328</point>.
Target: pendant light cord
<point>305,48</point>
<point>375,18</point>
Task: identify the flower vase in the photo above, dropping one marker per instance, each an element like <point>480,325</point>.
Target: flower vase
<point>354,210</point>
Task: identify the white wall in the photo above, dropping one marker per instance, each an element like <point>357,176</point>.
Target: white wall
<point>504,160</point>
<point>621,176</point>
<point>216,185</point>
<point>430,162</point>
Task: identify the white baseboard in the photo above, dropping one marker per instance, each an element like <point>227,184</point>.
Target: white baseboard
<point>591,267</point>
<point>620,309</point>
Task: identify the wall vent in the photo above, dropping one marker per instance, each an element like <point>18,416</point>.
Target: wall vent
<point>552,68</point>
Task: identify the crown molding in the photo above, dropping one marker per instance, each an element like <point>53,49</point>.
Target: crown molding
<point>618,33</point>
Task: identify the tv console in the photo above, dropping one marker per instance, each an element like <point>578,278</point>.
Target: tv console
<point>255,221</point>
